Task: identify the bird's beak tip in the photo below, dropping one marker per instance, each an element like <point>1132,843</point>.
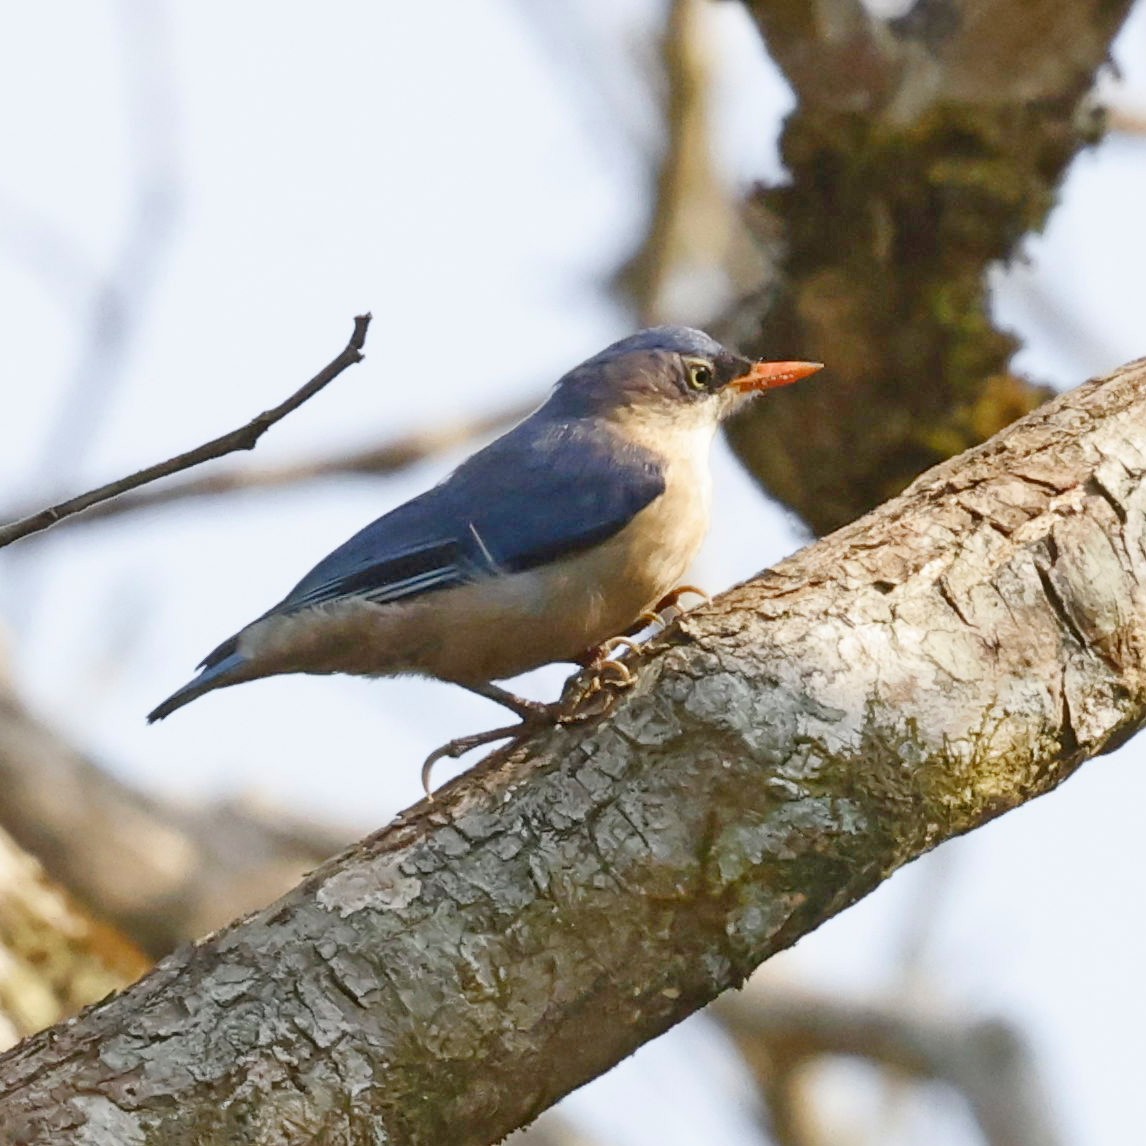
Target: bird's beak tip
<point>769,375</point>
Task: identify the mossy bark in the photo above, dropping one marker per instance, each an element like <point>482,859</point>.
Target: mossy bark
<point>920,154</point>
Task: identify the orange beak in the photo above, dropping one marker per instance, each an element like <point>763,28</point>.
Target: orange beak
<point>769,375</point>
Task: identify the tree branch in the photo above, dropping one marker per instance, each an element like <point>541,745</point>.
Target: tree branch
<point>160,873</point>
<point>921,152</point>
<point>986,1059</point>
<point>244,438</point>
<point>386,457</point>
<point>956,653</point>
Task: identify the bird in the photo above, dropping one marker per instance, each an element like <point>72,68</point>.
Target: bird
<point>540,547</point>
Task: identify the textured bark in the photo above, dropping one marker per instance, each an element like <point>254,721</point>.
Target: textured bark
<point>921,152</point>
<point>958,652</point>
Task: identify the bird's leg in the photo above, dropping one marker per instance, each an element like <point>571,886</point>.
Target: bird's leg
<point>602,674</point>
<point>463,744</point>
<point>530,711</point>
<point>600,666</point>
<point>666,610</point>
<point>534,715</point>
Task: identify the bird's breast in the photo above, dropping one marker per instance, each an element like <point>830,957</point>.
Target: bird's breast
<point>560,610</point>
<point>507,625</point>
<point>499,626</point>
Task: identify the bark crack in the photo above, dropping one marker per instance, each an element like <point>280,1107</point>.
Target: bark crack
<point>1055,599</point>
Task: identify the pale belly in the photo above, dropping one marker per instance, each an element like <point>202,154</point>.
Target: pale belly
<point>502,626</point>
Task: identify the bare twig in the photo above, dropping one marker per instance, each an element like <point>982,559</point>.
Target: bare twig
<point>244,438</point>
<point>385,458</point>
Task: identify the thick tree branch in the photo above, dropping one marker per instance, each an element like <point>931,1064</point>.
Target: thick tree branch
<point>244,438</point>
<point>921,152</point>
<point>956,653</point>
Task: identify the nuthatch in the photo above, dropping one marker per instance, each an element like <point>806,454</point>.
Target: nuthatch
<point>538,548</point>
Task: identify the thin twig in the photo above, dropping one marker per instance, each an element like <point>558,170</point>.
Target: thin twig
<point>244,438</point>
<point>387,457</point>
<point>1126,119</point>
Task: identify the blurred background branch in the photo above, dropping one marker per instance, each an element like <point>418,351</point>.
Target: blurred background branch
<point>986,1060</point>
<point>55,957</point>
<point>697,250</point>
<point>921,152</point>
<point>158,872</point>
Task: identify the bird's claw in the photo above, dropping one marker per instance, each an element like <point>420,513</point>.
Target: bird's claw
<point>592,691</point>
<point>603,678</point>
<point>541,717</point>
<point>606,659</point>
<point>668,608</point>
<point>604,675</point>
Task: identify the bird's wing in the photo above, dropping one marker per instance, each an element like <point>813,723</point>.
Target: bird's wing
<point>543,491</point>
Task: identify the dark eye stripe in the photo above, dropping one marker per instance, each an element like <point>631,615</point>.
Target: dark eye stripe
<point>729,366</point>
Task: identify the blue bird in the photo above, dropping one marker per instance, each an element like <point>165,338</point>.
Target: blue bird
<point>540,547</point>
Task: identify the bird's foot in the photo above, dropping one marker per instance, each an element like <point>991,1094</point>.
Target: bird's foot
<point>460,745</point>
<point>534,714</point>
<point>588,693</point>
<point>652,622</point>
<point>602,678</point>
<point>604,674</point>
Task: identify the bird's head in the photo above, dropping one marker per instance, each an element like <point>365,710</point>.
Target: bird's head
<point>671,372</point>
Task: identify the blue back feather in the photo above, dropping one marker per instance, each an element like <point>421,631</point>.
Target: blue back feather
<point>560,482</point>
<point>547,489</point>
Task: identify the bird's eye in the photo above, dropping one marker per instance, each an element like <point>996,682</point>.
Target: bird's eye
<point>699,375</point>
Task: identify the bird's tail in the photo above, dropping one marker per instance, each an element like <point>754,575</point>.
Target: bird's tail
<point>222,672</point>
